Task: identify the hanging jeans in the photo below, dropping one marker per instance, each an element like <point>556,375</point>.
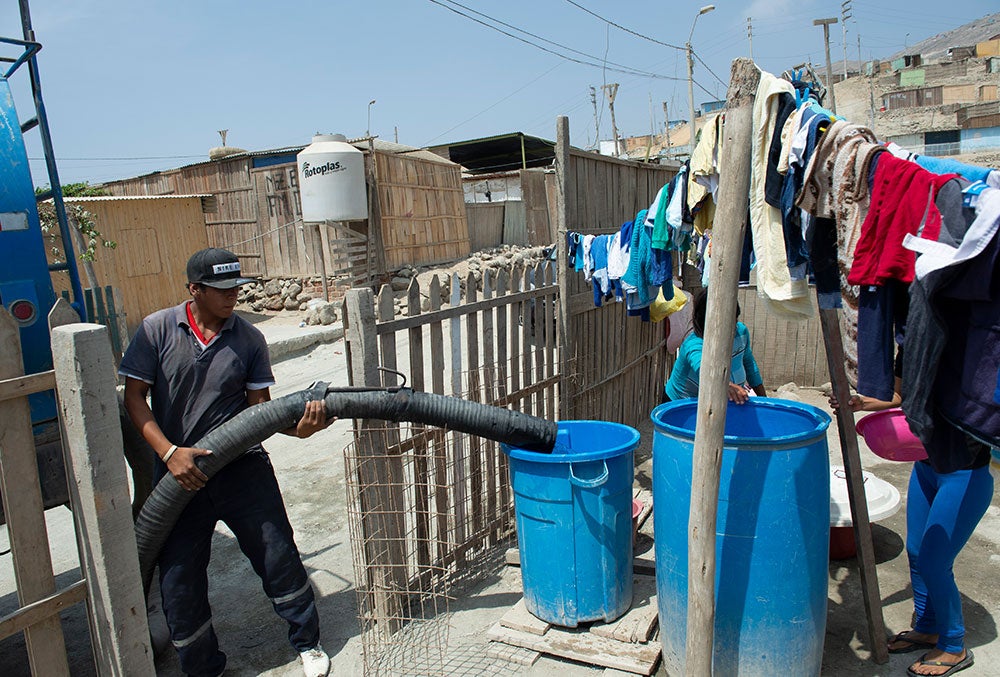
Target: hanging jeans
<point>245,496</point>
<point>942,511</point>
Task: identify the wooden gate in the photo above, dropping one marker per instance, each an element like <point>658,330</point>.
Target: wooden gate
<point>84,377</point>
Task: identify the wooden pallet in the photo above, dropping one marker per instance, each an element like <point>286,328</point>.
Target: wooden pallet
<point>628,644</point>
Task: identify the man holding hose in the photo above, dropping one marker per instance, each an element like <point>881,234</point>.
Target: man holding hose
<point>203,365</point>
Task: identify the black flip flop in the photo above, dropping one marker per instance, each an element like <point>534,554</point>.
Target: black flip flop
<point>914,645</point>
<point>952,667</point>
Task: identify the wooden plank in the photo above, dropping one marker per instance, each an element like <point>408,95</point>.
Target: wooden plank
<point>22,386</point>
<point>584,647</point>
<point>490,480</point>
<point>50,606</point>
<point>439,458</point>
<point>23,508</point>
<point>514,319</point>
<point>549,322</point>
<point>519,618</point>
<point>420,451</point>
<point>501,334</point>
<point>461,310</point>
<point>458,469</point>
<point>638,623</point>
<point>527,341</point>
<point>472,343</point>
<point>503,462</point>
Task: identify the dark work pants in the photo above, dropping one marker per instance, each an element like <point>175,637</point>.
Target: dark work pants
<point>245,496</point>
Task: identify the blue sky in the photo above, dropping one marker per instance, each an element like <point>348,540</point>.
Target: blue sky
<point>133,86</point>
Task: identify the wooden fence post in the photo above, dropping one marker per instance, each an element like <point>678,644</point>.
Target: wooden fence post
<point>22,504</point>
<point>88,405</point>
<point>730,223</point>
<point>380,478</point>
<point>562,269</point>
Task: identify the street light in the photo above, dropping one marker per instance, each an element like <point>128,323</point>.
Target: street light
<point>368,130</point>
<point>690,55</point>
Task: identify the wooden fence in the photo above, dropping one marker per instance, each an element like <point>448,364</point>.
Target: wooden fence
<point>84,377</point>
<point>786,351</point>
<point>425,503</point>
<point>614,364</point>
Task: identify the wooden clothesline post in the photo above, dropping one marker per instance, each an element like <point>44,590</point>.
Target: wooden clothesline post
<point>730,222</point>
<point>713,389</point>
<point>833,341</point>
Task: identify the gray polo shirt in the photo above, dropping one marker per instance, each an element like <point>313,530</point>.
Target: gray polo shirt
<point>195,389</point>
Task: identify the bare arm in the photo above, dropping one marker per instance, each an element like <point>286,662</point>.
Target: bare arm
<point>864,403</point>
<point>181,462</point>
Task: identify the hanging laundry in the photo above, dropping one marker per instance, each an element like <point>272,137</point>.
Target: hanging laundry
<point>952,330</point>
<point>784,296</point>
<point>599,278</point>
<point>902,201</point>
<point>703,180</point>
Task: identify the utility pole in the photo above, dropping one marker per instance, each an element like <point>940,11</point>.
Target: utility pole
<point>395,133</point>
<point>845,14</point>
<point>750,36</point>
<point>597,121</point>
<point>612,91</point>
<point>871,95</point>
<point>666,127</point>
<point>690,55</point>
<point>825,23</point>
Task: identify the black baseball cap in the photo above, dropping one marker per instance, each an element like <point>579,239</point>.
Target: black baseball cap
<point>214,267</point>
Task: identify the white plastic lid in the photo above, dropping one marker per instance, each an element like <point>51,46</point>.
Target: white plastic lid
<point>883,498</point>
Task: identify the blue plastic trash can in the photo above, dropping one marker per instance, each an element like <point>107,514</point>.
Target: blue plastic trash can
<point>574,522</point>
<point>772,536</point>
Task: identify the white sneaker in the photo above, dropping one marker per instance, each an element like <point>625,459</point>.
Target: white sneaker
<point>315,662</point>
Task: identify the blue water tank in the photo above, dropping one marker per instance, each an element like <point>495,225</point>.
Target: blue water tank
<point>574,522</point>
<point>772,536</point>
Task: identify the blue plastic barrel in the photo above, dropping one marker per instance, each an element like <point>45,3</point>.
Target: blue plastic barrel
<point>772,536</point>
<point>574,522</point>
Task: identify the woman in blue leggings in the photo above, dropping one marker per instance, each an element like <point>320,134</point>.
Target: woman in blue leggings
<point>942,511</point>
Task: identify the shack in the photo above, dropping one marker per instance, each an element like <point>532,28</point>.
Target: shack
<point>153,236</point>
<point>509,188</point>
<point>417,212</point>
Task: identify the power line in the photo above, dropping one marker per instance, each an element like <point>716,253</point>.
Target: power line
<point>623,69</point>
<point>627,30</point>
<point>724,84</point>
<point>494,105</point>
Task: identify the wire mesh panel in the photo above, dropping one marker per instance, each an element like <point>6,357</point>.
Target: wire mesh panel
<point>430,509</point>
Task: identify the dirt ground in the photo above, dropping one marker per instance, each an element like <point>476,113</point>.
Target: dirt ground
<point>311,473</point>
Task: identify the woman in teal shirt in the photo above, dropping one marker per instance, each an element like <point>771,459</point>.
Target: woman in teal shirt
<point>684,376</point>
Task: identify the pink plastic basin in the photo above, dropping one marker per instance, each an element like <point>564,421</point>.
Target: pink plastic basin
<point>888,435</point>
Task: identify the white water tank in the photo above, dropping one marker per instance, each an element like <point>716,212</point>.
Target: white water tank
<point>332,180</point>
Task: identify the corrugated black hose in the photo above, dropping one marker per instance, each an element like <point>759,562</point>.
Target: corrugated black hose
<point>253,425</point>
